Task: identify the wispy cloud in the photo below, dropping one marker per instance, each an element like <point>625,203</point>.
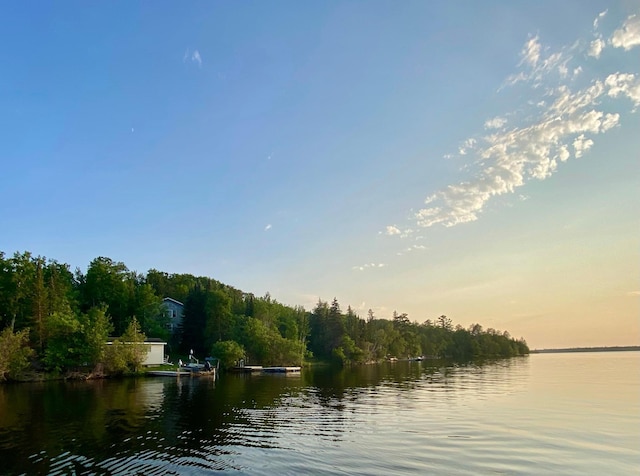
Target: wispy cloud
<point>531,52</point>
<point>192,56</point>
<point>467,145</point>
<point>561,123</point>
<point>410,249</point>
<point>196,57</point>
<point>495,123</point>
<point>393,230</point>
<point>368,266</point>
<point>600,16</point>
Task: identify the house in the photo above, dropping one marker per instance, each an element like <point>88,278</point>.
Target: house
<point>175,311</point>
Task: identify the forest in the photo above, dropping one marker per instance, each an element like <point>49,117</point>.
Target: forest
<point>55,320</point>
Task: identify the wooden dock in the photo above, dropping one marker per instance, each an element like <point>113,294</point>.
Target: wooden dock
<point>281,370</point>
<point>247,369</point>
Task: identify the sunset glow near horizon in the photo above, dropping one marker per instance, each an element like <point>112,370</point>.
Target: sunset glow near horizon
<point>473,159</point>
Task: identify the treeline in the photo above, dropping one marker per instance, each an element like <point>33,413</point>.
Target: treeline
<point>348,338</point>
<point>55,319</point>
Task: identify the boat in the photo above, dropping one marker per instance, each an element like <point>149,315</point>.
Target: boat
<point>187,373</point>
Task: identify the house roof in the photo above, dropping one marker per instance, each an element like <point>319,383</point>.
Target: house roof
<point>148,340</point>
<point>173,300</point>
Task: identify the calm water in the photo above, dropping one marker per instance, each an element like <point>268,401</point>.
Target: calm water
<point>544,414</point>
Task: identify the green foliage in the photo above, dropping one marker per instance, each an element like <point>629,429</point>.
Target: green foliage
<point>148,307</point>
<point>97,327</point>
<point>128,352</point>
<point>265,344</point>
<point>74,340</point>
<point>108,283</point>
<point>229,352</point>
<point>115,358</point>
<point>66,345</point>
<point>14,353</point>
<point>67,318</point>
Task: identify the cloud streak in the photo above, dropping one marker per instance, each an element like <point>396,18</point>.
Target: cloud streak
<point>192,56</point>
<point>368,266</point>
<point>561,125</point>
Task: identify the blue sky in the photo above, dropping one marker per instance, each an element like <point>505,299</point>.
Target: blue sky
<point>474,159</point>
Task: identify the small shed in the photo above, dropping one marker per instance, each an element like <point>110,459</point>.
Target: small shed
<point>155,350</point>
<point>155,356</point>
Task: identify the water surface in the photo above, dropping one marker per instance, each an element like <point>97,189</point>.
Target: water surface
<point>543,414</point>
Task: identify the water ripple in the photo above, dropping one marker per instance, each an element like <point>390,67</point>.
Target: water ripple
<point>508,417</point>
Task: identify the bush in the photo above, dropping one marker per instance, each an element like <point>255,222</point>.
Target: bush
<point>228,352</point>
<point>14,353</point>
<point>128,352</point>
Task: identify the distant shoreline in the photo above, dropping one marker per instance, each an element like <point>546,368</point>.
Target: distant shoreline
<point>628,348</point>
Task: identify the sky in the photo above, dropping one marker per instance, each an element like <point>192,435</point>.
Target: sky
<point>473,159</point>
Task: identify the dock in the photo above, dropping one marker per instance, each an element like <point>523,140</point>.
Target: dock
<point>281,370</point>
<point>247,369</point>
<point>167,373</point>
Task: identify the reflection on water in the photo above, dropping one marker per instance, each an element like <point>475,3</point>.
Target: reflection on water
<point>407,417</point>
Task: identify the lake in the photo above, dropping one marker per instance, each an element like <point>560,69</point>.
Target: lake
<point>543,414</point>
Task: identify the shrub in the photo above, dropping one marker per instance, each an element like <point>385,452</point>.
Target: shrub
<point>14,353</point>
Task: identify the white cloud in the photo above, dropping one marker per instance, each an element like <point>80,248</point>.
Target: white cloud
<point>495,123</point>
<point>563,153</point>
<point>581,145</point>
<point>598,18</point>
<point>413,248</point>
<point>531,52</point>
<point>467,145</point>
<point>629,35</point>
<point>393,230</point>
<point>624,84</point>
<point>524,153</point>
<point>562,125</point>
<point>196,58</point>
<point>537,67</point>
<point>563,70</point>
<point>268,227</point>
<point>368,266</point>
<point>193,56</point>
<point>596,48</point>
